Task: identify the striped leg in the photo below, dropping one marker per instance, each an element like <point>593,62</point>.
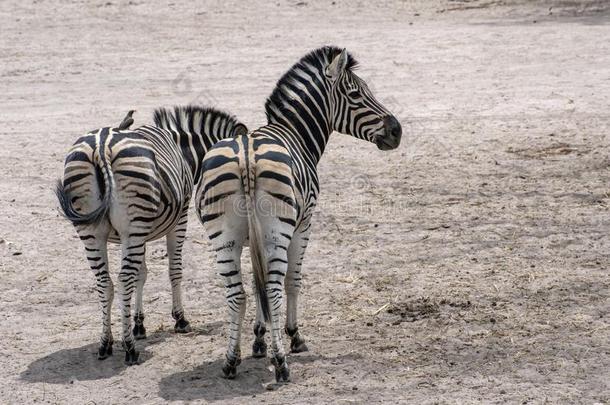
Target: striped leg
<point>175,241</point>
<point>139,331</point>
<point>259,347</point>
<point>228,264</point>
<point>227,231</point>
<point>133,255</point>
<point>296,251</point>
<point>277,266</point>
<point>97,255</point>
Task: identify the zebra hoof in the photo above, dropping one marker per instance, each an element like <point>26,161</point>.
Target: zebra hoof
<point>297,343</point>
<point>228,371</point>
<point>182,326</point>
<point>259,349</point>
<point>229,368</point>
<point>104,351</point>
<point>139,331</point>
<point>298,346</point>
<point>131,356</point>
<point>282,373</point>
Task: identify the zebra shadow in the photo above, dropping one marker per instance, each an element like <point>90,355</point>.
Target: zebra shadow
<point>205,382</point>
<point>81,364</point>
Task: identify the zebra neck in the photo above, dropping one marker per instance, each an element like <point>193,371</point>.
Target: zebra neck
<point>192,145</point>
<point>195,129</point>
<point>307,123</point>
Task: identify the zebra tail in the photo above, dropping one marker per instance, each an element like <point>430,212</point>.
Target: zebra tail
<point>257,250</point>
<point>259,261</point>
<point>95,216</point>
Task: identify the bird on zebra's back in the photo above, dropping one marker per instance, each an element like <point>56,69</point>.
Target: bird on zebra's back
<point>127,121</point>
<point>264,186</point>
<point>132,187</point>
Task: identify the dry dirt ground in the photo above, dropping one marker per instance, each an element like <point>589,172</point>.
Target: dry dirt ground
<point>468,266</point>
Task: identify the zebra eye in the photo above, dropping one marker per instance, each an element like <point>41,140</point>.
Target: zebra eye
<point>354,94</point>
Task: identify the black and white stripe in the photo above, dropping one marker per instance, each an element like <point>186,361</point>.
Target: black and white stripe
<point>131,187</point>
<point>265,185</point>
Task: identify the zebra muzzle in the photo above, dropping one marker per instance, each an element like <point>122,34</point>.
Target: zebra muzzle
<point>392,134</point>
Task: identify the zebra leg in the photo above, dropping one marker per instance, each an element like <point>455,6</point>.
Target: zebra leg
<point>277,267</point>
<point>228,264</point>
<point>133,256</point>
<point>227,232</point>
<point>97,255</point>
<point>175,241</point>
<point>259,347</point>
<point>296,251</point>
<point>139,331</point>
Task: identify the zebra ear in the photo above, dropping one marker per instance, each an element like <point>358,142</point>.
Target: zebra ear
<point>337,66</point>
<point>240,129</point>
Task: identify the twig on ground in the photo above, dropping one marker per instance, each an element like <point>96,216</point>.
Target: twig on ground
<point>384,306</point>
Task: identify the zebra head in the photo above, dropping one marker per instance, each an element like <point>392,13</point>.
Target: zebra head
<point>355,111</point>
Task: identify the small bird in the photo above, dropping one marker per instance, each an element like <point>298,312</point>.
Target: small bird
<point>127,121</point>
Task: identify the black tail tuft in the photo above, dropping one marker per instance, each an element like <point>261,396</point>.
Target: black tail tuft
<point>68,211</point>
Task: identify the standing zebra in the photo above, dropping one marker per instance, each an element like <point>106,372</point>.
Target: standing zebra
<point>272,173</point>
<point>133,186</point>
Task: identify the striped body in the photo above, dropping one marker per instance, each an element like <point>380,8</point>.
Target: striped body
<point>153,182</point>
<point>131,187</point>
<point>265,185</point>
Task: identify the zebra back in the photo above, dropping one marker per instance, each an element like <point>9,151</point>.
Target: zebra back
<point>196,128</point>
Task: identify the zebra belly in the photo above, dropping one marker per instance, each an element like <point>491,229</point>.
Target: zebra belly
<point>159,228</point>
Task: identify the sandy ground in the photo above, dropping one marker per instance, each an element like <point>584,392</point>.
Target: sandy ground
<point>468,266</point>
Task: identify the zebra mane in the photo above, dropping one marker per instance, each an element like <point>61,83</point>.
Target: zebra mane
<point>191,118</point>
<point>318,58</point>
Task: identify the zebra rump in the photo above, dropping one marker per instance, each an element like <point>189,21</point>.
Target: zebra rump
<point>95,216</point>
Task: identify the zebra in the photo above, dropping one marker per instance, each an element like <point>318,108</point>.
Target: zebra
<point>264,186</point>
<point>131,187</point>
